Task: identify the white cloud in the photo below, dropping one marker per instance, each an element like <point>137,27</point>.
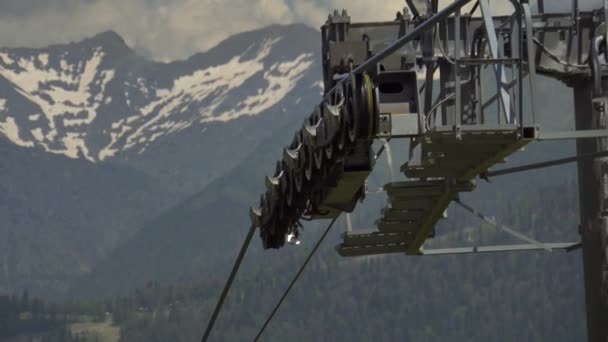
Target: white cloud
<point>171,29</point>
<point>314,14</point>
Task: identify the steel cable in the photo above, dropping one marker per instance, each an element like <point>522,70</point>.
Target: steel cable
<point>235,269</point>
<point>293,281</point>
<point>301,270</point>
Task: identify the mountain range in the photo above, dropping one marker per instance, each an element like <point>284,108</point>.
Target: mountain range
<point>118,170</point>
<point>98,140</point>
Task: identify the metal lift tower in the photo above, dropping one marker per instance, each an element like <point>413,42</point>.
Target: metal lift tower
<point>379,86</point>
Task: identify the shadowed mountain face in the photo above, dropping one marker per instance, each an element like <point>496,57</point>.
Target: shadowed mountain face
<point>59,216</point>
<point>97,141</point>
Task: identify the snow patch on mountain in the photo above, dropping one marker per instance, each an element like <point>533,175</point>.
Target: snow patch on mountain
<point>83,92</point>
<point>64,95</point>
<point>196,98</point>
<point>281,79</point>
<point>10,129</point>
<point>212,84</point>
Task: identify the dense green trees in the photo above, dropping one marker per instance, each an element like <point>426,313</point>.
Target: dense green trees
<point>530,296</point>
<point>24,315</point>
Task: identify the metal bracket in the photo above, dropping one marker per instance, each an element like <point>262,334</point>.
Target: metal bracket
<point>349,223</point>
<point>495,249</point>
<point>389,158</point>
<point>544,164</point>
<point>384,126</point>
<point>492,222</point>
<point>389,163</point>
<point>583,134</point>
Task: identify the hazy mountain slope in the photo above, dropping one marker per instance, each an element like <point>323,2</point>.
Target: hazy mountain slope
<point>99,137</point>
<point>58,216</point>
<point>195,236</point>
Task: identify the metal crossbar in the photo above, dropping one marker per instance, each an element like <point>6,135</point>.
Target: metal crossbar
<point>495,249</point>
<point>541,165</point>
<point>514,233</point>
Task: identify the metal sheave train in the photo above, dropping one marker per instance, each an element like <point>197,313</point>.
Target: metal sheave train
<point>323,169</point>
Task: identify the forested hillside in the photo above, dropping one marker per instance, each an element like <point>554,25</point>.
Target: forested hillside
<point>25,318</point>
<point>59,216</point>
<point>527,296</point>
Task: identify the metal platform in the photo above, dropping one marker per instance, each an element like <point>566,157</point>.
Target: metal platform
<point>451,159</point>
<point>414,209</point>
<point>465,152</point>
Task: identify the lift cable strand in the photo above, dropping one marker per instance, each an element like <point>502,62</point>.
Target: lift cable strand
<point>293,281</point>
<point>546,164</point>
<point>235,269</point>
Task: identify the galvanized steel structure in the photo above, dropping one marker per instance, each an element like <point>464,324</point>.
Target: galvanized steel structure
<point>379,86</point>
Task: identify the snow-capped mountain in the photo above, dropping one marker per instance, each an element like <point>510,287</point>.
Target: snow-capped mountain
<point>98,100</point>
<point>97,140</point>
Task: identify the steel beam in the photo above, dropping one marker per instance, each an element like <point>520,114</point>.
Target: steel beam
<point>541,165</point>
<point>495,249</point>
<point>578,134</point>
<point>591,191</point>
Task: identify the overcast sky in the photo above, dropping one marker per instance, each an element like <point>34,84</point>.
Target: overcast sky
<point>171,29</point>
